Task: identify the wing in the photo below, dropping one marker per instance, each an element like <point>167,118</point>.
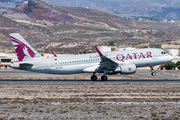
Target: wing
<point>109,66</point>
<point>106,64</point>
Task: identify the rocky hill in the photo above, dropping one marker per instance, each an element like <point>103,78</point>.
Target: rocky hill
<point>159,9</point>
<point>153,9</point>
<point>75,29</point>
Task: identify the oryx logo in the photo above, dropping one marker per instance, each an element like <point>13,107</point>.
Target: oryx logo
<point>129,69</point>
<point>22,49</point>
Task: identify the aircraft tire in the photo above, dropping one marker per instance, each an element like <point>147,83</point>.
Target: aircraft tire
<point>104,78</point>
<point>93,77</point>
<point>153,73</point>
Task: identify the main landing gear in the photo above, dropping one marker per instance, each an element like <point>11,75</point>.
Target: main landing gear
<point>152,71</point>
<point>94,77</point>
<point>103,78</point>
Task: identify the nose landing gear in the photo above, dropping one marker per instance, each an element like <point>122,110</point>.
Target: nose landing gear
<point>152,71</point>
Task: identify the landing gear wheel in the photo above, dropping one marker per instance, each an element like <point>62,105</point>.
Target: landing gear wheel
<point>104,78</point>
<point>153,73</point>
<point>93,77</point>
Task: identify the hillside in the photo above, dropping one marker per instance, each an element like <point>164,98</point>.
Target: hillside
<point>153,9</point>
<point>159,9</point>
<point>76,29</point>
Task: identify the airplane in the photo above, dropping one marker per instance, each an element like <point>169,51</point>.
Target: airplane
<point>123,62</point>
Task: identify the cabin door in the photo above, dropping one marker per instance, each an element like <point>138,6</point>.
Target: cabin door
<point>46,66</point>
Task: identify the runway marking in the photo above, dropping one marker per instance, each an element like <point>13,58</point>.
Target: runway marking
<point>110,105</point>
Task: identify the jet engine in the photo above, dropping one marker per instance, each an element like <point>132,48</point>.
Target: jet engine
<point>127,69</point>
<point>124,69</point>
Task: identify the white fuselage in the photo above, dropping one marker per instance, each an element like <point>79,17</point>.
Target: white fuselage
<point>79,63</point>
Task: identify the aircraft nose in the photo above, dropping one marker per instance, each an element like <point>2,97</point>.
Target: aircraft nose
<point>170,57</point>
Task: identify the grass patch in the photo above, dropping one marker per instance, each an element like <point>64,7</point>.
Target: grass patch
<point>25,108</point>
<point>107,113</point>
<point>51,109</point>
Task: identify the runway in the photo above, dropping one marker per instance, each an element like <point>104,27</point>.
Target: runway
<point>161,78</point>
<point>89,81</point>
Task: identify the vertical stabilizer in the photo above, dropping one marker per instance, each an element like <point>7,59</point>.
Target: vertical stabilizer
<point>23,50</point>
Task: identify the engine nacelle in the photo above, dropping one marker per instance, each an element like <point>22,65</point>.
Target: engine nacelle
<point>124,69</point>
<point>127,69</point>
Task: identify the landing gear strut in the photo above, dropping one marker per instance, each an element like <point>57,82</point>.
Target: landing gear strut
<point>152,71</point>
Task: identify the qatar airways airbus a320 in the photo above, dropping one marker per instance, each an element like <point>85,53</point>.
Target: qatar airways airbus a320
<point>123,62</point>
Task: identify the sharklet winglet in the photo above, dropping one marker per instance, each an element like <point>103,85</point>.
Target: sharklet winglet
<point>55,55</point>
<point>99,52</point>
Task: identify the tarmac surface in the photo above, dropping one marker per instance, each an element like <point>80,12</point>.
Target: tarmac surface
<point>147,73</point>
<point>89,81</point>
<point>162,78</point>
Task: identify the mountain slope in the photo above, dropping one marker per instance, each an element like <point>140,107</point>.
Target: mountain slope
<point>159,9</point>
<point>76,29</point>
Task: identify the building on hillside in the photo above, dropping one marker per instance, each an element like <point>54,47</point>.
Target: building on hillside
<point>140,19</point>
<point>166,46</point>
<point>104,48</point>
<point>151,45</point>
<point>173,52</point>
<point>7,59</point>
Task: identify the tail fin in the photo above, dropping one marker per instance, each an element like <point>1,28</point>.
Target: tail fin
<point>23,50</point>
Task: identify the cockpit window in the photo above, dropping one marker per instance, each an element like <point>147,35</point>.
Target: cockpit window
<point>163,52</point>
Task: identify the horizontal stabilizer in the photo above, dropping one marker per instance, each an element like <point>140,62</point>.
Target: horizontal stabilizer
<point>25,66</point>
